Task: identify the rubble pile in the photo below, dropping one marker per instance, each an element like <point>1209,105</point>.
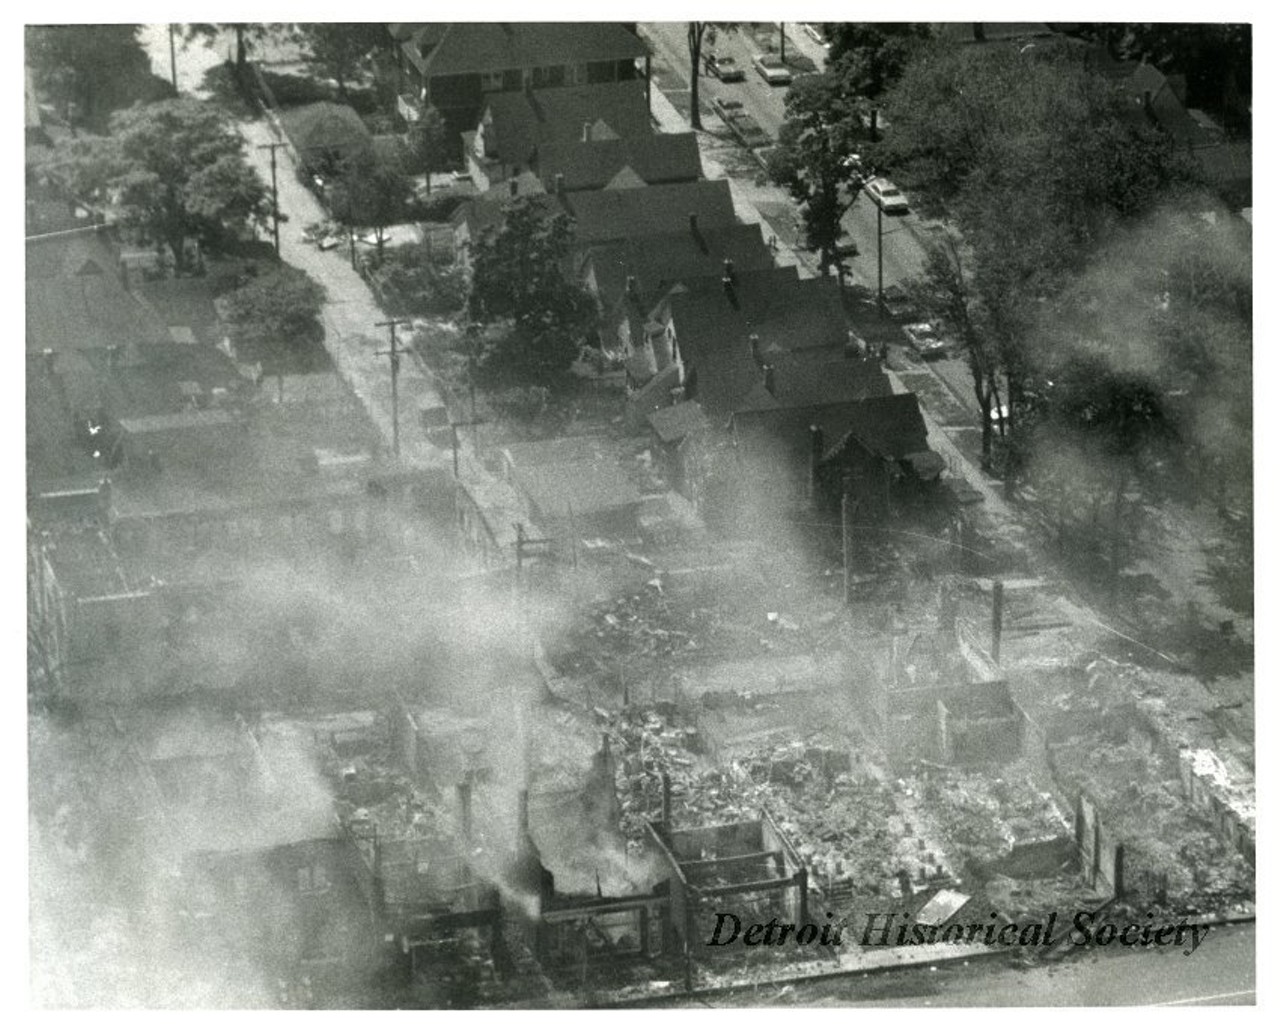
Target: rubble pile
<point>983,816</point>
<point>1172,852</point>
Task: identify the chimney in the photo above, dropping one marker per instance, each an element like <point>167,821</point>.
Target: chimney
<point>560,184</point>
<point>693,223</point>
<point>666,800</point>
<point>728,270</point>
<point>729,291</point>
<point>50,361</point>
<point>980,32</point>
<point>464,809</point>
<point>522,820</point>
<point>586,132</point>
<point>633,292</point>
<point>997,618</point>
<point>769,382</point>
<point>815,461</point>
<point>515,186</point>
<point>753,342</point>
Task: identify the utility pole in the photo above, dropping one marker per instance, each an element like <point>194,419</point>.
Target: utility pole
<point>173,60</point>
<point>454,425</point>
<point>395,372</point>
<point>275,194</point>
<point>523,542</point>
<point>880,259</point>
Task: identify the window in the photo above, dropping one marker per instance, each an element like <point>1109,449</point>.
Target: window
<point>490,81</point>
<point>552,75</point>
<point>512,80</point>
<point>601,71</point>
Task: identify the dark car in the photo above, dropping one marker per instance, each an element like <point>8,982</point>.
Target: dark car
<point>724,68</point>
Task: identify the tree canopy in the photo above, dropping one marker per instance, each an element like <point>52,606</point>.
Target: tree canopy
<point>341,50</point>
<point>371,191</point>
<point>279,309</point>
<point>88,71</point>
<point>518,275</point>
<point>815,159</point>
<point>174,170</point>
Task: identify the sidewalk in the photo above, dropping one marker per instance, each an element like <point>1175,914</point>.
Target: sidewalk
<point>671,121</point>
<point>354,342</point>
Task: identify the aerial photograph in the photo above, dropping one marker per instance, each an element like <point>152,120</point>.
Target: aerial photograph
<point>547,515</point>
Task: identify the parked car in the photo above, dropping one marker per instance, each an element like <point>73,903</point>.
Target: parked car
<point>724,68</point>
<point>887,196</point>
<point>772,70</point>
<point>898,304</point>
<point>815,33</point>
<point>925,340</point>
<point>748,131</point>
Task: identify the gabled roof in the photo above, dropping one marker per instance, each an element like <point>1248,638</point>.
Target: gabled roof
<point>76,300</point>
<point>612,215</point>
<point>672,423</point>
<point>325,126</point>
<point>579,475</point>
<point>593,164</point>
<point>466,48</point>
<point>888,426</point>
<point>657,262</point>
<point>782,310</point>
<point>519,124</point>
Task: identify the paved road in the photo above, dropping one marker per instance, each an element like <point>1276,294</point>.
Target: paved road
<point>903,252</point>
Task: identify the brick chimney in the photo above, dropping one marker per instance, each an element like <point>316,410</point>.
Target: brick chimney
<point>560,184</point>
<point>730,292</point>
<point>816,444</point>
<point>753,343</point>
<point>769,379</point>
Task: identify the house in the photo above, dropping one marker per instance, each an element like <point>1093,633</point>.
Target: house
<point>574,487</point>
<point>453,67</point>
<point>628,278</point>
<point>671,427</point>
<point>79,297</point>
<point>595,163</point>
<point>325,134</point>
<point>516,126</point>
<point>618,214</point>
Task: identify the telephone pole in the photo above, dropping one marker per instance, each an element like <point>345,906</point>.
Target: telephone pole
<point>454,425</point>
<point>880,259</point>
<point>275,193</point>
<point>395,373</point>
<point>173,60</point>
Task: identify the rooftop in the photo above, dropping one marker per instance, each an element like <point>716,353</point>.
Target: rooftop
<point>668,208</point>
<point>673,423</point>
<point>595,164</point>
<point>658,261</point>
<point>465,48</point>
<point>519,124</point>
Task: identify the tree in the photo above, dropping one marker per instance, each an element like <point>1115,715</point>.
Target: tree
<point>428,145</point>
<point>947,293</point>
<point>88,71</point>
<point>696,34</point>
<point>278,312</point>
<point>174,169</point>
<point>518,275</point>
<point>246,35</point>
<point>341,50</point>
<point>371,191</point>
<point>871,56</point>
<point>816,159</point>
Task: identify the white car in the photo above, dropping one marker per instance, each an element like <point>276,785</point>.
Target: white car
<point>772,70</point>
<point>815,33</point>
<point>887,196</point>
<point>925,340</point>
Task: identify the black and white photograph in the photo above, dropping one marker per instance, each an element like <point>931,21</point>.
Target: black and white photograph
<point>559,514</point>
